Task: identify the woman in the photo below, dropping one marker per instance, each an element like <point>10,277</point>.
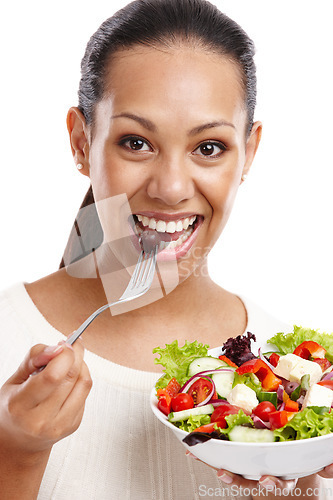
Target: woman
<point>165,125</point>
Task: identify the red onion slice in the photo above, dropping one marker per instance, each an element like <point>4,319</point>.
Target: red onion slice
<point>327,376</point>
<point>263,358</point>
<point>195,377</point>
<point>218,402</point>
<point>300,400</point>
<point>279,392</point>
<point>259,423</point>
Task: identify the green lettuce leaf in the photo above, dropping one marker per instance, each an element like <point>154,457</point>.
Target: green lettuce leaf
<point>249,379</point>
<point>237,419</point>
<point>176,360</point>
<point>287,342</point>
<point>193,422</point>
<point>305,424</point>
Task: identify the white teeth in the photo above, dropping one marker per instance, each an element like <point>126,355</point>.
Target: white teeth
<point>145,221</point>
<point>171,227</point>
<point>172,244</point>
<point>186,223</point>
<point>152,223</point>
<point>160,226</point>
<point>179,226</point>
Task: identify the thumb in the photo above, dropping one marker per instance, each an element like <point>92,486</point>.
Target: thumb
<point>38,356</point>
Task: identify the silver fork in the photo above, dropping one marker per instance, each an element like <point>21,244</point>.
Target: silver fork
<point>139,284</point>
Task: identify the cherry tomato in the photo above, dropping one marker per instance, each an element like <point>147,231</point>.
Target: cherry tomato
<point>222,410</point>
<point>200,390</point>
<point>182,402</point>
<point>263,410</point>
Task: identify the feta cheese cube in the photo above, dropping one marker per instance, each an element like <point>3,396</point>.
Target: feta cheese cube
<point>304,366</point>
<point>286,364</point>
<point>244,397</point>
<point>318,395</point>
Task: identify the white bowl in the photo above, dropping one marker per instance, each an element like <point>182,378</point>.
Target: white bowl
<point>288,460</point>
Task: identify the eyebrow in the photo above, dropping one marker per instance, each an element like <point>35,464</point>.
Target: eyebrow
<point>143,121</point>
<point>149,125</point>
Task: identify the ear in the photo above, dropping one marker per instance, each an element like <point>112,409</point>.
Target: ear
<point>252,144</point>
<point>79,138</point>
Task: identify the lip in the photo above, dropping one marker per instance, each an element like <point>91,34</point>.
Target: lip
<point>168,253</point>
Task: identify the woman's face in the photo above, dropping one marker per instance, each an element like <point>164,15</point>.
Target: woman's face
<point>170,133</point>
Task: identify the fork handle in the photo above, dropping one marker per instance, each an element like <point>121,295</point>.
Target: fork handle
<point>76,334</point>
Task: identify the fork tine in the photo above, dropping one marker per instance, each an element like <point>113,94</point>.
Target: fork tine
<point>141,270</point>
<point>137,268</point>
<point>150,266</point>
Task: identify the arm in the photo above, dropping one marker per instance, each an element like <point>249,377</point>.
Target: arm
<point>36,411</point>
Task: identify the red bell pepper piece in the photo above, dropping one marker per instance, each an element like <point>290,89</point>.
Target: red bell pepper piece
<point>211,427</point>
<point>274,359</point>
<point>278,419</point>
<point>228,361</point>
<point>165,396</point>
<point>164,404</point>
<point>269,381</point>
<point>309,348</point>
<point>291,405</point>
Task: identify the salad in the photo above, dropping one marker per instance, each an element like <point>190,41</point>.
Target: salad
<point>281,395</point>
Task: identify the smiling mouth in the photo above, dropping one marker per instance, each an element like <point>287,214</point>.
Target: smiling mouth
<point>172,234</point>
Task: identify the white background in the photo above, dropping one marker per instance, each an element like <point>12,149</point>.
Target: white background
<point>277,247</point>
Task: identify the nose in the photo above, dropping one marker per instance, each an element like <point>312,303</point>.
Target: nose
<point>171,182</point>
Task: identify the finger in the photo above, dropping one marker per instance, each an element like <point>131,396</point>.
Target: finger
<point>39,353</point>
<point>62,402</point>
<point>69,417</point>
<point>229,478</point>
<point>59,375</point>
<point>271,483</point>
<point>327,472</point>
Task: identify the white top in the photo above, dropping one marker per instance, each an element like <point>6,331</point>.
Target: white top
<point>120,451</point>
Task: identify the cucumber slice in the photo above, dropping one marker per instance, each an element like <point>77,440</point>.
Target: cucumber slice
<point>205,363</point>
<point>223,383</point>
<point>177,416</point>
<point>250,435</point>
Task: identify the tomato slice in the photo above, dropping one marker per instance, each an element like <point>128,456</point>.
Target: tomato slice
<point>182,401</point>
<point>263,410</point>
<point>200,389</point>
<point>326,383</point>
<point>323,363</point>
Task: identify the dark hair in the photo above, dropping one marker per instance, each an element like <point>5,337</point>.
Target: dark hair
<point>156,23</point>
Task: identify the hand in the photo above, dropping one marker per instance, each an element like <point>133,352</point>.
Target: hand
<point>38,409</point>
<point>265,484</point>
<point>327,472</point>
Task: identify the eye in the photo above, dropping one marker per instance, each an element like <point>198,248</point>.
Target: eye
<point>210,149</point>
<point>135,143</point>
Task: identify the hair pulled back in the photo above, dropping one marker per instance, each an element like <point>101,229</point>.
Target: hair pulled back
<point>160,23</point>
<point>163,22</point>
